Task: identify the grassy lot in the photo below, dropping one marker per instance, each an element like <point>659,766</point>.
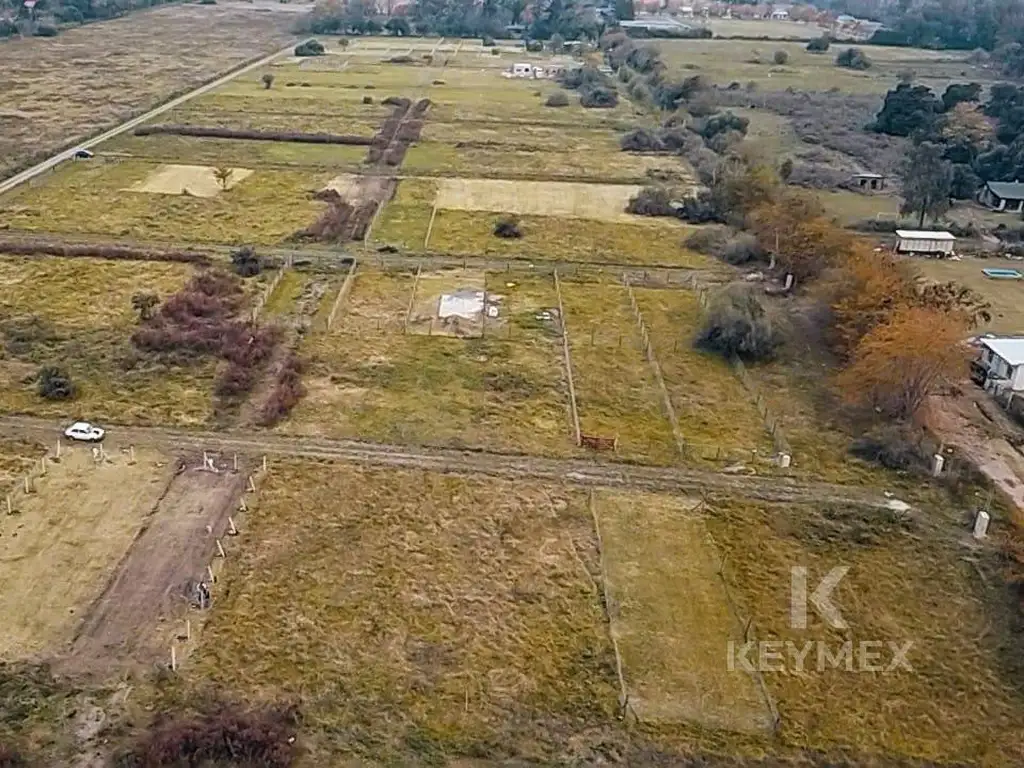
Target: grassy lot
<point>76,313</point>
<point>370,380</point>
<point>673,617</point>
<point>1005,296</point>
<point>716,414</point>
<point>440,615</point>
<point>365,123</point>
<point>295,102</point>
<point>534,136</point>
<point>547,237</point>
<point>743,61</point>
<point>236,152</point>
<point>266,207</point>
<point>909,580</point>
<point>605,164</point>
<point>780,30</point>
<point>617,395</point>
<point>96,76</point>
<point>404,221</point>
<point>848,208</point>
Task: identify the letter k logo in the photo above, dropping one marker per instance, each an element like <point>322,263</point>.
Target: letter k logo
<point>820,598</point>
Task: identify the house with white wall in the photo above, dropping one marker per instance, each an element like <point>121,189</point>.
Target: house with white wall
<point>1002,363</point>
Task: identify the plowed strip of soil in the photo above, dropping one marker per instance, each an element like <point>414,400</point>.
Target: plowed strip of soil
<point>131,623</point>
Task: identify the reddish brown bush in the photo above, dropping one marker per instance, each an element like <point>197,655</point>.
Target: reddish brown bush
<point>288,390</point>
<point>217,132</point>
<point>11,757</point>
<point>200,321</point>
<point>227,735</point>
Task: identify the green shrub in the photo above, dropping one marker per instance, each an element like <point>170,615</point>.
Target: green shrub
<point>46,30</point>
<point>853,58</point>
<point>557,99</point>
<point>780,57</point>
<point>55,384</point>
<point>737,324</point>
<point>310,48</point>
<point>819,44</point>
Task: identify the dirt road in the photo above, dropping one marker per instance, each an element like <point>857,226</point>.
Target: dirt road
<point>585,472</point>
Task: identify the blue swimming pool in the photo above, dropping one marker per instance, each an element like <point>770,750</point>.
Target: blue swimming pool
<point>1004,274</point>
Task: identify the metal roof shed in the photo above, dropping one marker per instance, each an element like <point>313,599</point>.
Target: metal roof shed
<point>924,241</point>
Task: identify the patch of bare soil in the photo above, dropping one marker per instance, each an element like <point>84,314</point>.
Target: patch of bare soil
<point>350,211</point>
<point>974,424</point>
<point>134,620</point>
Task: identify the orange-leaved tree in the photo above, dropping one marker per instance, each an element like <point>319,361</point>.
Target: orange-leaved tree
<point>899,363</point>
<point>867,290</point>
<point>794,229</point>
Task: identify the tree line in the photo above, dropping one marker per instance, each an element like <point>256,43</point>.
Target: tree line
<point>44,18</point>
<point>570,19</point>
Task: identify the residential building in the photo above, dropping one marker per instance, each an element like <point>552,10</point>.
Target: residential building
<point>1001,364</point>
<point>924,242</point>
<point>1003,196</point>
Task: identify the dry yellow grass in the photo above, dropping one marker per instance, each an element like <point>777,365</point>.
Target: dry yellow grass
<point>910,579</point>
<point>538,198</point>
<point>63,89</point>
<point>422,617</point>
<point>672,619</point>
<point>404,221</point>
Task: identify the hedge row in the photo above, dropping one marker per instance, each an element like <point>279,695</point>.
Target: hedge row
<point>101,251</point>
<point>217,132</point>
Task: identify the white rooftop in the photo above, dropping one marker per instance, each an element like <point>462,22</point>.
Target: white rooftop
<point>1011,350</point>
<point>923,234</point>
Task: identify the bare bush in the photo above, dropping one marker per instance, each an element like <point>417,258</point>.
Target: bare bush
<point>227,735</point>
<point>598,97</point>
<point>780,57</point>
<point>737,324</point>
<point>741,249</point>
<point>709,240</point>
<point>894,446</point>
<point>652,200</point>
<point>246,262</point>
<point>641,140</point>
<point>288,390</point>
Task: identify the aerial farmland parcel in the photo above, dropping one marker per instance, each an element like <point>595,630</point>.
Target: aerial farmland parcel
<point>507,509</point>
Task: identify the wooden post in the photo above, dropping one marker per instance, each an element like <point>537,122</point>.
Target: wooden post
<point>234,462</point>
<point>174,659</point>
<point>242,506</point>
<point>232,531</point>
<point>10,509</point>
<point>252,485</point>
<point>220,549</point>
<point>42,465</point>
<point>28,484</point>
<point>188,629</point>
<point>131,454</point>
<point>264,463</point>
<point>58,447</point>
<point>209,572</point>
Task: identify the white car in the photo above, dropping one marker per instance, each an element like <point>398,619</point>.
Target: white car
<point>83,430</point>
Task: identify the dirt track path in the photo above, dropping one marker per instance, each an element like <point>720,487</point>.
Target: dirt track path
<point>577,471</point>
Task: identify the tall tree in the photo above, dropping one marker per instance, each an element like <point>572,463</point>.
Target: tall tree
<point>927,182</point>
<point>898,364</point>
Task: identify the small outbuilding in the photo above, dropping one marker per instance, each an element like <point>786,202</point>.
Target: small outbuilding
<point>1003,196</point>
<point>924,242</point>
<point>1002,363</point>
<point>872,182</point>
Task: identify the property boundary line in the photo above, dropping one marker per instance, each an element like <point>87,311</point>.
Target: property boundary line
<point>412,300</point>
<point>568,361</point>
<point>648,348</point>
<point>343,292</point>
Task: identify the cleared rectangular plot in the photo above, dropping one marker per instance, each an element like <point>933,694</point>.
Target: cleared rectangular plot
<point>364,122</point>
<point>538,198</point>
<point>616,393</point>
<point>60,549</point>
<point>404,221</point>
<point>370,380</point>
<point>717,416</point>
<point>672,619</point>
